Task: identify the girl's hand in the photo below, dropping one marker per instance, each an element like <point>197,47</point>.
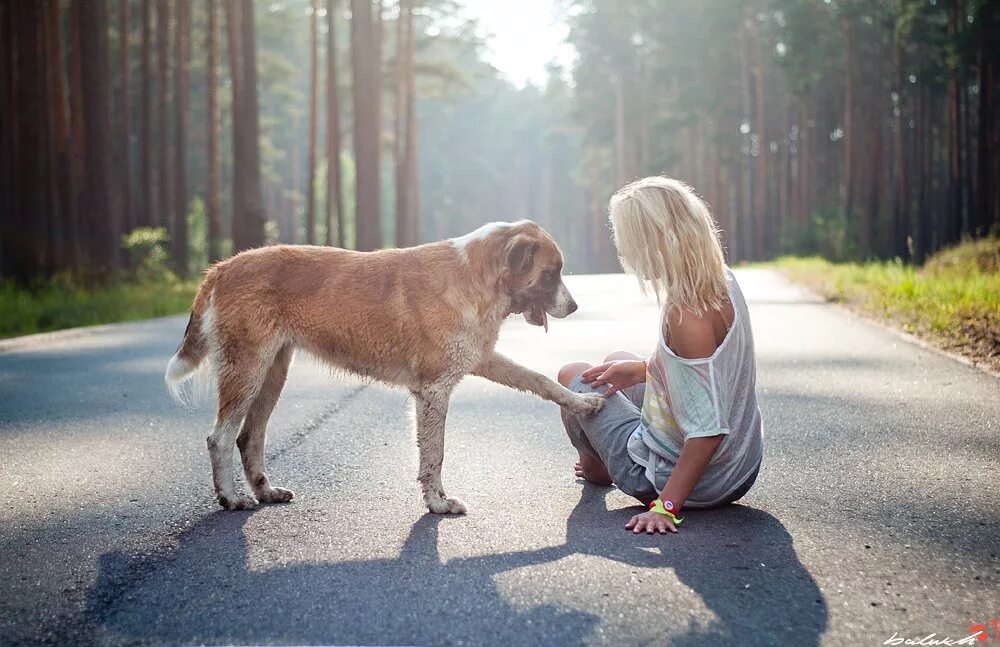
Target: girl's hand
<point>651,522</point>
<point>617,375</point>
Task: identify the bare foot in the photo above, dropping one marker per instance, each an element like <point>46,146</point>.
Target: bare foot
<point>593,470</point>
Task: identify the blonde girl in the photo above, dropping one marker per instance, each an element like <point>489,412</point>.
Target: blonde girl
<point>680,428</point>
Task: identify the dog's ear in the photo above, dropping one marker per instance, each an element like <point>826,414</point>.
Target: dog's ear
<point>520,252</point>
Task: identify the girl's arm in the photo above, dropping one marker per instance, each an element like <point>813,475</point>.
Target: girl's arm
<point>691,464</point>
<point>691,337</point>
<point>618,374</point>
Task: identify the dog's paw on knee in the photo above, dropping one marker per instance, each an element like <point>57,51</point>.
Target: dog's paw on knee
<point>446,506</point>
<point>276,495</point>
<point>587,404</point>
<point>243,502</point>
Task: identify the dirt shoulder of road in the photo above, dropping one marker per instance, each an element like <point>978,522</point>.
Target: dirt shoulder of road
<point>952,302</point>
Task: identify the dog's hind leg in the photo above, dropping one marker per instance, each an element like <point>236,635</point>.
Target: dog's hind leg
<point>431,404</point>
<point>252,436</point>
<point>239,384</point>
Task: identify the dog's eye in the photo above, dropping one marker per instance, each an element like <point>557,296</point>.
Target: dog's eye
<point>551,276</point>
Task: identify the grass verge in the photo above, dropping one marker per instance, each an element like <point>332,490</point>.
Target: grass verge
<point>56,305</point>
<point>952,301</point>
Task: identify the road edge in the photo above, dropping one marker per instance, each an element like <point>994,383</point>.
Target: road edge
<point>35,340</point>
<point>894,330</point>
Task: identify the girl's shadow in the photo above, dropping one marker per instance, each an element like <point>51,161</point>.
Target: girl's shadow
<point>204,592</point>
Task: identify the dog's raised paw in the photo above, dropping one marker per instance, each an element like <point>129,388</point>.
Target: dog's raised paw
<point>446,506</point>
<point>587,404</point>
<point>244,502</point>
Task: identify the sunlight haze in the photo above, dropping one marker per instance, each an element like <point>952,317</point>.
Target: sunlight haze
<point>523,37</point>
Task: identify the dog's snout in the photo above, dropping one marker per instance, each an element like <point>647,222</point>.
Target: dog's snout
<point>564,304</point>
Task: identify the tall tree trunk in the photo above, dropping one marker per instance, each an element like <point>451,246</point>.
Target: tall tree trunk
<point>988,209</point>
<point>405,138</point>
<point>147,205</point>
<point>795,165</point>
<point>296,186</point>
<point>398,129</point>
<point>165,186</point>
<point>761,207</point>
<point>334,190</point>
<point>719,202</point>
<point>212,204</point>
<point>901,202</point>
<point>848,34</point>
<point>313,118</point>
<point>8,210</point>
<point>125,168</point>
<point>924,204</point>
<point>234,15</point>
<point>69,251</point>
<point>365,67</point>
<point>50,214</point>
<point>248,212</point>
<point>642,118</point>
<point>805,167</point>
<point>378,21</point>
<point>27,234</point>
<point>872,167</point>
<point>76,129</point>
<point>410,173</point>
<point>621,146</point>
<point>597,226</point>
<point>744,224</point>
<point>254,202</point>
<point>100,216</point>
<point>869,228</point>
<point>179,239</point>
<point>951,221</point>
<point>784,183</point>
<point>969,149</point>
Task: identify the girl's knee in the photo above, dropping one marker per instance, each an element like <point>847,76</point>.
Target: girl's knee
<point>620,355</point>
<point>569,371</point>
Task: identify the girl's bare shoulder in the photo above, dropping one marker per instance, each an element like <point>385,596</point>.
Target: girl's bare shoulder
<point>694,336</point>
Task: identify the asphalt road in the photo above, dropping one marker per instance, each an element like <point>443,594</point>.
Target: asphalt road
<point>877,510</point>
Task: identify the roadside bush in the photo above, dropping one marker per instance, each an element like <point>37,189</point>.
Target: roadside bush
<point>147,252</point>
<point>954,299</point>
<point>828,233</point>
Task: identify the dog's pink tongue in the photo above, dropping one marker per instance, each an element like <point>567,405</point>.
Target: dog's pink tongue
<point>545,320</point>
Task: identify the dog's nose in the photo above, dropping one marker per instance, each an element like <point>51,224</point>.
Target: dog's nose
<point>572,308</point>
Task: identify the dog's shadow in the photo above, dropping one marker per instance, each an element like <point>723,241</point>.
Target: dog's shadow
<point>739,561</point>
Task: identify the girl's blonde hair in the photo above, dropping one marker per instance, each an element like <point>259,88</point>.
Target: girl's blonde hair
<point>666,236</point>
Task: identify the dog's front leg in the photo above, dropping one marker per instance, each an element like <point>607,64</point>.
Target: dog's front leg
<point>502,370</point>
<point>431,405</point>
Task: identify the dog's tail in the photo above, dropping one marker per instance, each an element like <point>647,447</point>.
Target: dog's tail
<point>195,344</point>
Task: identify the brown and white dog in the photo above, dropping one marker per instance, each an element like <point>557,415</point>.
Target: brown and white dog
<point>421,318</point>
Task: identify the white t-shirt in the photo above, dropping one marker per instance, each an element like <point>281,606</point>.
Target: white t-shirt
<point>692,398</point>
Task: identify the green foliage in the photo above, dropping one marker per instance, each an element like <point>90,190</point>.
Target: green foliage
<point>828,233</point>
<point>981,256</point>
<point>58,304</point>
<point>954,299</point>
<point>148,255</point>
<point>271,235</point>
<point>197,236</point>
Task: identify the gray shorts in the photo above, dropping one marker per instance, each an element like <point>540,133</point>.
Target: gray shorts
<point>605,435</point>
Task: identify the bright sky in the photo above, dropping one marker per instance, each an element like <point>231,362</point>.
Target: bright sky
<point>526,36</point>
